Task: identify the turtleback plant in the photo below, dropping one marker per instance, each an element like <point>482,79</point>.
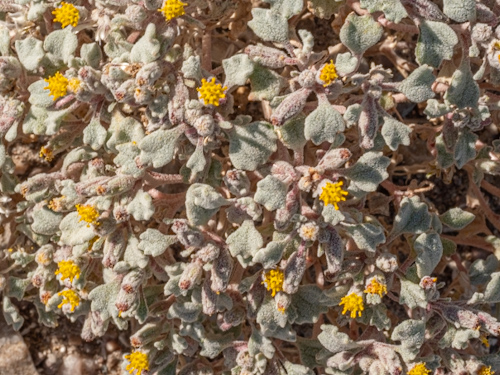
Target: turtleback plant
<point>250,195</point>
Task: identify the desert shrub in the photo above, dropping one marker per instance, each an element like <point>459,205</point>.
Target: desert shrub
<point>251,182</point>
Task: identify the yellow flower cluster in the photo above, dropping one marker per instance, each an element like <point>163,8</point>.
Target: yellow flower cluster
<point>273,280</point>
<point>46,153</point>
<point>332,193</point>
<point>352,303</point>
<point>58,85</point>
<point>210,92</point>
<point>172,9</point>
<point>485,371</point>
<point>419,369</point>
<point>88,213</point>
<point>138,361</point>
<point>67,14</point>
<point>376,288</point>
<point>68,270</point>
<point>328,74</point>
<point>71,297</point>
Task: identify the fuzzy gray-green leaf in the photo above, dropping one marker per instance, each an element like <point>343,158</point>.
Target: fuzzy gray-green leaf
<point>271,193</point>
<point>393,9</point>
<point>158,148</point>
<point>413,217</point>
<point>435,43</point>
<point>360,33</point>
<point>464,90</point>
<point>369,171</point>
<point>429,251</point>
<point>323,124</point>
<point>251,145</point>
<point>245,242</point>
<point>269,25</point>
<point>417,86</point>
<point>456,218</point>
<point>395,132</point>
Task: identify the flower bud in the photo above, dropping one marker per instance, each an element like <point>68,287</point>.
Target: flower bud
<point>187,235</point>
<point>245,360</point>
<point>267,56</point>
<point>146,334</point>
<point>309,231</point>
<point>459,316</point>
<point>307,79</point>
<point>294,270</point>
<point>204,125</point>
<point>87,334</point>
<point>284,172</point>
<point>333,159</point>
<point>114,246</point>
<point>45,255</point>
<point>387,262</point>
<point>231,318</point>
<point>97,324</point>
<point>37,185</point>
<point>292,105</point>
<point>208,298</point>
<point>125,92</point>
<point>368,122</point>
<point>222,268</point>
<point>284,215</point>
<point>282,300</point>
<point>481,32</point>
<point>237,182</point>
<point>490,323</point>
<point>191,275</point>
<point>244,208</point>
<point>11,111</point>
<point>208,253</point>
<point>334,252</point>
<point>129,290</point>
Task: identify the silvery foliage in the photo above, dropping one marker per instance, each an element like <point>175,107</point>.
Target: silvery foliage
<point>195,201</point>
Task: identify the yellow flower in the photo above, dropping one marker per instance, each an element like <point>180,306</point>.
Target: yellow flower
<point>374,287</point>
<point>46,153</point>
<point>58,85</point>
<point>419,369</point>
<point>353,303</point>
<point>67,14</point>
<point>68,270</point>
<point>88,213</point>
<point>172,9</point>
<point>333,193</point>
<point>74,85</point>
<point>273,280</point>
<point>485,371</point>
<point>211,92</point>
<point>138,361</point>
<point>328,74</point>
<point>71,297</point>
